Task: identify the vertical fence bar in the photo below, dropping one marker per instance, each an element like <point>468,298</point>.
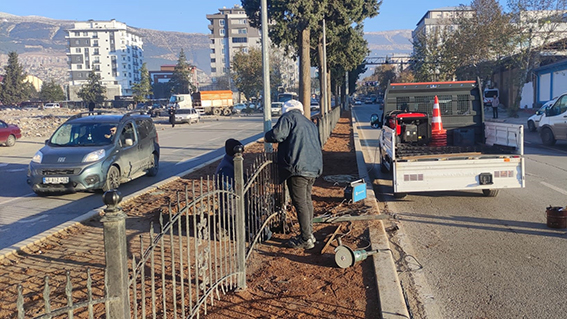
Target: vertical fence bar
<point>69,294</point>
<point>161,244</point>
<point>240,227</point>
<point>90,294</point>
<point>181,270</point>
<point>172,252</point>
<point>135,288</point>
<point>196,241</point>
<point>143,277</point>
<point>20,303</point>
<point>187,216</point>
<point>46,292</point>
<point>153,271</point>
<point>114,224</point>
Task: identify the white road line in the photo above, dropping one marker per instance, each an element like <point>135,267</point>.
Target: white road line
<point>32,220</point>
<point>555,188</point>
<point>16,198</point>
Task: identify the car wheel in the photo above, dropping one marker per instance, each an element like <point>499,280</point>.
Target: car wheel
<point>547,137</point>
<point>112,179</point>
<point>531,126</point>
<point>490,192</point>
<point>155,167</point>
<point>11,141</point>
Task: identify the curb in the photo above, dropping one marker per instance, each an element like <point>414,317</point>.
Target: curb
<point>390,295</point>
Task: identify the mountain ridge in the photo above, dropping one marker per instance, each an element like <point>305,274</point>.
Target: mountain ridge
<point>41,45</point>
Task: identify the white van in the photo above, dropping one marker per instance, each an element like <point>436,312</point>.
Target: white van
<point>553,122</point>
<point>51,106</point>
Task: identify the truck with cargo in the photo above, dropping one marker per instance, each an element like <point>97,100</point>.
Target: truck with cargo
<point>467,154</point>
<point>206,102</point>
<point>218,102</point>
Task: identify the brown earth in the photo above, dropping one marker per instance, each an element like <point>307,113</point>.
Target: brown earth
<point>282,282</point>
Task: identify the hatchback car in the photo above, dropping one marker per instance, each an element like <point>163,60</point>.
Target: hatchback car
<point>238,108</point>
<point>277,108</point>
<point>96,152</point>
<point>51,106</point>
<point>9,133</point>
<point>187,116</point>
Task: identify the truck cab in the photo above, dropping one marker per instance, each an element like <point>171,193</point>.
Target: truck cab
<point>553,122</point>
<point>180,101</point>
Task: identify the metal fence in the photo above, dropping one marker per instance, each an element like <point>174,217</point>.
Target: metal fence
<point>196,253</point>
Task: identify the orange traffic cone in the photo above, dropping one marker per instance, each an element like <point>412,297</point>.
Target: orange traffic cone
<point>438,134</point>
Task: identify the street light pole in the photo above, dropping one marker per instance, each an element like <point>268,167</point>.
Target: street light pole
<point>266,70</point>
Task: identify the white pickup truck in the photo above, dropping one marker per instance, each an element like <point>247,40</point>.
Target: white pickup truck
<point>479,155</point>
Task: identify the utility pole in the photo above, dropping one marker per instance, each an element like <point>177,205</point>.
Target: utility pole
<point>325,107</point>
<point>266,70</point>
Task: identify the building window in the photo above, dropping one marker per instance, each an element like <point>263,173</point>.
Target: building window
<point>77,42</point>
<point>79,67</point>
<point>221,31</point>
<point>223,51</point>
<point>221,23</point>
<point>239,40</point>
<point>77,33</point>
<point>213,51</point>
<point>213,60</point>
<point>213,41</point>
<point>95,43</point>
<point>78,50</point>
<point>213,70</point>
<point>242,31</point>
<point>124,74</point>
<point>245,50</point>
<point>86,34</point>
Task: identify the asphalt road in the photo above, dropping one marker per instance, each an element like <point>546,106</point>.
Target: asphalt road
<point>462,255</point>
<point>23,214</point>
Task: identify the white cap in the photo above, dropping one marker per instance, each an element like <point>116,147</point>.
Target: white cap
<point>292,105</point>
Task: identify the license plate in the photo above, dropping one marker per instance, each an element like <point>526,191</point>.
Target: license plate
<point>56,180</point>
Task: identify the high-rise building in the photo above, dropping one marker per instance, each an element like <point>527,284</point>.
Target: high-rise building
<point>111,49</point>
<point>230,33</point>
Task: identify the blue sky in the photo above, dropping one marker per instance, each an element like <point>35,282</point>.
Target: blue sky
<point>190,15</point>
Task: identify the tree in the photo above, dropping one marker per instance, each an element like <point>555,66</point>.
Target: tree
<point>536,25</point>
<point>180,82</point>
<point>14,88</point>
<point>143,88</point>
<point>247,72</point>
<point>93,90</point>
<point>51,91</point>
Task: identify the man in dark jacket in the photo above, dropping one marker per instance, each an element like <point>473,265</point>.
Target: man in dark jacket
<point>300,162</point>
<point>226,166</point>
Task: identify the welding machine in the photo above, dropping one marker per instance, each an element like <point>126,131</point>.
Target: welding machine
<point>356,190</point>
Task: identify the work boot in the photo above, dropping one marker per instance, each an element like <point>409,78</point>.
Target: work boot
<point>298,242</point>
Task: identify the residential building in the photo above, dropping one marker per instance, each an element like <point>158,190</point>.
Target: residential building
<point>438,19</point>
<point>230,33</point>
<point>111,50</point>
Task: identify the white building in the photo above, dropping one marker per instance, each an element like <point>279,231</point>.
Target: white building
<point>439,19</point>
<point>109,48</point>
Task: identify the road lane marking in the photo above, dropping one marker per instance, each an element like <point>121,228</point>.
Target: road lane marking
<point>555,188</point>
<point>16,198</point>
<point>31,220</point>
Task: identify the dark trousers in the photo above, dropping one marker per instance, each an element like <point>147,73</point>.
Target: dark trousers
<point>494,112</point>
<point>300,193</point>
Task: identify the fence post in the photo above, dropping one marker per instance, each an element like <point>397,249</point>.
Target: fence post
<point>240,225</point>
<point>114,225</point>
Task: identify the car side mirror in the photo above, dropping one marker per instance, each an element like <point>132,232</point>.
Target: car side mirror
<point>128,142</point>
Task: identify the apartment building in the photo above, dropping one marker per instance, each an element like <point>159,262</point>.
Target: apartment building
<point>230,33</point>
<point>111,49</point>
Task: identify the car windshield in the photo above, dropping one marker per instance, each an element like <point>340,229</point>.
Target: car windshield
<point>490,93</point>
<point>84,134</point>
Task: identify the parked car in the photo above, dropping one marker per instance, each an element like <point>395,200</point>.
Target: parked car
<point>187,116</point>
<point>51,106</point>
<point>533,121</point>
<point>9,133</point>
<point>238,108</point>
<point>368,100</point>
<point>277,108</point>
<point>357,102</point>
<point>96,152</point>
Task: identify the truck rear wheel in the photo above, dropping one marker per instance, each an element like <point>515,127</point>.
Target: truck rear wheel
<point>226,112</point>
<point>217,112</point>
<point>490,192</point>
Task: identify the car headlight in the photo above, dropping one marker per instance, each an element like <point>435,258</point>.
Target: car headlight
<point>37,157</point>
<point>94,156</point>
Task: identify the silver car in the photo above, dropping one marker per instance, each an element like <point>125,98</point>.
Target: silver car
<point>97,152</point>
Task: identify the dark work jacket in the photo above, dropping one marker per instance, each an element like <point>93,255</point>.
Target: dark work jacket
<point>299,149</point>
<point>226,169</point>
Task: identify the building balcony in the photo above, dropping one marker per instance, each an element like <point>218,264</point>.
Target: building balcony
<point>211,27</point>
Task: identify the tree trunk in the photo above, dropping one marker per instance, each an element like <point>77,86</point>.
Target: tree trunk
<point>305,72</point>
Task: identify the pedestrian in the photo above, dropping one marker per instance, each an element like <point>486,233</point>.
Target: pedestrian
<point>171,113</point>
<point>300,162</point>
<point>495,103</point>
<point>91,108</point>
<point>225,169</point>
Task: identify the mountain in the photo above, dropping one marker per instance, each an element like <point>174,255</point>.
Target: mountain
<point>41,45</point>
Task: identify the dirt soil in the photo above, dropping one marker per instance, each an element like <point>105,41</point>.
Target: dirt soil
<point>282,282</point>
